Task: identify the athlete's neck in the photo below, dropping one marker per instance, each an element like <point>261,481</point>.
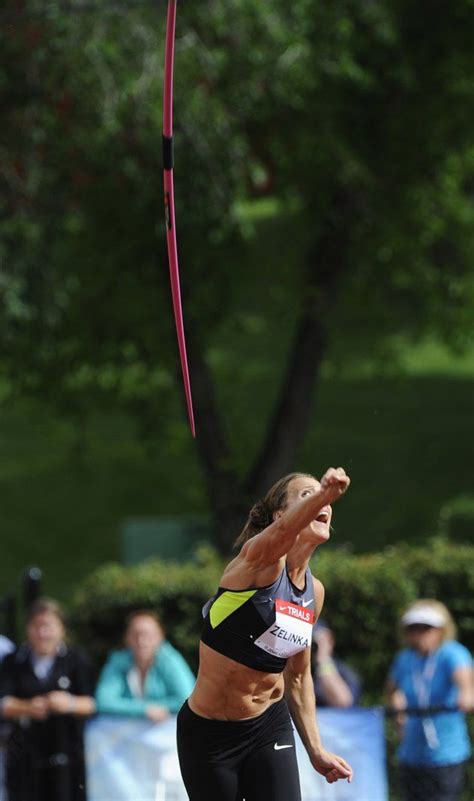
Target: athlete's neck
<point>297,560</point>
<point>296,570</point>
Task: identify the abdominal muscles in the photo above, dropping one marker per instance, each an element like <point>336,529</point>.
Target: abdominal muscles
<point>227,690</point>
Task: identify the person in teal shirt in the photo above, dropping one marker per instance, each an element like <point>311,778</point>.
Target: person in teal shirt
<point>149,678</point>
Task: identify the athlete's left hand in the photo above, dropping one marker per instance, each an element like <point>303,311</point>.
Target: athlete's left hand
<point>331,766</point>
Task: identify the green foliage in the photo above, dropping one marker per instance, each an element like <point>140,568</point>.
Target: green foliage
<point>66,487</point>
<point>339,110</point>
<point>86,277</point>
<point>456,519</point>
<point>365,596</point>
<point>176,591</point>
<point>354,118</point>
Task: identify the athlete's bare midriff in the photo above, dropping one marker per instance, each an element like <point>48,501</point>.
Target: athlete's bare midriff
<point>227,690</point>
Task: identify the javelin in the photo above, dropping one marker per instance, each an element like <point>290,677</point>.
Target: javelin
<point>169,205</point>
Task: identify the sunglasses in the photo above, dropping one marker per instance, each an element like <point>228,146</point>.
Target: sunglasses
<point>418,627</point>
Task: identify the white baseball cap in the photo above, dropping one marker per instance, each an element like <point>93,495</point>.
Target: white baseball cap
<point>423,615</point>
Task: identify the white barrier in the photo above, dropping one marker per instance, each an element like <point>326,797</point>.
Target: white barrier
<point>132,760</point>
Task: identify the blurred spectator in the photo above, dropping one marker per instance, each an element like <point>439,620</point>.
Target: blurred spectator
<point>335,683</point>
<point>46,690</point>
<point>432,671</point>
<point>149,678</point>
<point>6,646</point>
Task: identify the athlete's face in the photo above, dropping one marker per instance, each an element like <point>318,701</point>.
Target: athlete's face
<point>301,488</point>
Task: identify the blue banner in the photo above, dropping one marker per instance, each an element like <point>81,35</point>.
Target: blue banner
<point>136,760</point>
<point>358,736</point>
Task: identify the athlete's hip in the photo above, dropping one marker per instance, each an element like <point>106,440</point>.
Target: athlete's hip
<point>219,737</point>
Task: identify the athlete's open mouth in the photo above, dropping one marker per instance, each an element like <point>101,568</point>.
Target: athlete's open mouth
<point>323,517</point>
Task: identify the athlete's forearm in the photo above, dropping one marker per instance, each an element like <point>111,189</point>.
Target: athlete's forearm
<point>303,512</point>
<point>276,540</point>
<point>299,692</point>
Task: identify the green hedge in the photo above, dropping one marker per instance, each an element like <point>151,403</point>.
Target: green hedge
<point>176,591</point>
<point>364,597</point>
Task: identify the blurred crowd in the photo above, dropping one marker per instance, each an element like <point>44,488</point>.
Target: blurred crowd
<point>47,691</point>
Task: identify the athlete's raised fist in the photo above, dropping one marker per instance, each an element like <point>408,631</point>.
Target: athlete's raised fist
<point>335,482</point>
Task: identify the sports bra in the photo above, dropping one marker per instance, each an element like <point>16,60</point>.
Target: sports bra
<point>261,628</point>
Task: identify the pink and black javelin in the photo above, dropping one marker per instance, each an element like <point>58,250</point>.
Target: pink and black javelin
<point>169,204</point>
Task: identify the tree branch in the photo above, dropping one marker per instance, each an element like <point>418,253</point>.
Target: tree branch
<point>326,263</point>
<point>224,490</point>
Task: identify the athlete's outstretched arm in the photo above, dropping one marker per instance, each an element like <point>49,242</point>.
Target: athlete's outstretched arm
<point>277,539</point>
<point>299,692</point>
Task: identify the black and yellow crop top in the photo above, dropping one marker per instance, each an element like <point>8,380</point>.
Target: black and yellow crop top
<point>261,628</point>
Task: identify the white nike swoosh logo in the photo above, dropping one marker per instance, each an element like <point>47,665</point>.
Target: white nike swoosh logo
<point>307,603</point>
<point>279,747</point>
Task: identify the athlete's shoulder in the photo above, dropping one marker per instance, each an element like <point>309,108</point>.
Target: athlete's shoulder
<point>318,586</point>
<point>319,592</point>
<point>246,573</point>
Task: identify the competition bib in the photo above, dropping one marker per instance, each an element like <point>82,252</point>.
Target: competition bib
<point>290,633</point>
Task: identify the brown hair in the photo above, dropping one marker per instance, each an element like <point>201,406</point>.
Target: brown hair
<point>143,613</point>
<point>262,512</point>
<point>45,605</point>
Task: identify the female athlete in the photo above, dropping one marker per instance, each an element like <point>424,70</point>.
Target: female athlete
<point>235,738</point>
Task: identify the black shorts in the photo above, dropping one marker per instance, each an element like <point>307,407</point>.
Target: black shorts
<point>432,783</point>
<point>250,759</point>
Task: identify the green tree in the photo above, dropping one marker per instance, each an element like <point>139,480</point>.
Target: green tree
<point>355,117</point>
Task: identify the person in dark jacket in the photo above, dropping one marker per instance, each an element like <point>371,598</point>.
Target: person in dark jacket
<point>46,692</point>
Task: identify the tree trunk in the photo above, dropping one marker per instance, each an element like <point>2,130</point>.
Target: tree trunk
<point>228,508</point>
<point>229,497</point>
